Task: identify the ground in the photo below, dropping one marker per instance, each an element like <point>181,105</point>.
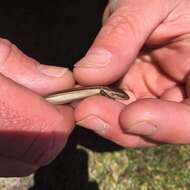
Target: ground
<point>163,168</point>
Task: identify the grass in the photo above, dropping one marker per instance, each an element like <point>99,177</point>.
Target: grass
<point>162,168</point>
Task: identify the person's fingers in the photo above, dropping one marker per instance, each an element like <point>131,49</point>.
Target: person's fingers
<point>28,72</point>
<point>175,94</point>
<point>101,115</point>
<point>110,8</point>
<point>32,131</point>
<point>120,40</point>
<point>177,66</point>
<point>145,79</point>
<point>162,121</point>
<point>177,24</point>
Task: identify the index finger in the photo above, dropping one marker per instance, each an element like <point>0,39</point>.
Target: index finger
<point>120,40</point>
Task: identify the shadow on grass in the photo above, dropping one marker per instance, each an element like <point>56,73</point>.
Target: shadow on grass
<point>70,170</point>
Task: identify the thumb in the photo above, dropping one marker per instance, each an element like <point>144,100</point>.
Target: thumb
<point>158,120</point>
<point>28,72</point>
<point>120,40</point>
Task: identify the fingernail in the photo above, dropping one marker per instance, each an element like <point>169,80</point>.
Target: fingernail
<point>94,123</point>
<point>52,71</point>
<point>142,128</point>
<point>95,58</point>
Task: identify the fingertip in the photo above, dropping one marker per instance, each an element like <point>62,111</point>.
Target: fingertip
<point>142,111</point>
<point>162,121</point>
<point>43,79</point>
<point>135,111</point>
<point>97,105</point>
<point>52,79</point>
<point>64,82</point>
<point>89,77</point>
<point>69,80</point>
<point>101,115</point>
<point>96,113</point>
<point>175,94</point>
<point>98,67</point>
<point>67,113</point>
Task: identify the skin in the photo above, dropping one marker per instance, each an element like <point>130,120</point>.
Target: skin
<point>144,48</point>
<point>32,131</point>
<point>144,45</point>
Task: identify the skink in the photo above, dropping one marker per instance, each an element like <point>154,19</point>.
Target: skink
<point>71,95</point>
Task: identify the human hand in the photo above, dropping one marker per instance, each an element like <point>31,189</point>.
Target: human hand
<point>146,45</point>
<point>32,131</point>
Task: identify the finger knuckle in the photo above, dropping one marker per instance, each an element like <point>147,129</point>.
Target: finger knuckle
<point>121,24</point>
<point>6,48</point>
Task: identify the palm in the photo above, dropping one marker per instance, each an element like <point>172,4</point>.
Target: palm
<point>161,72</point>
